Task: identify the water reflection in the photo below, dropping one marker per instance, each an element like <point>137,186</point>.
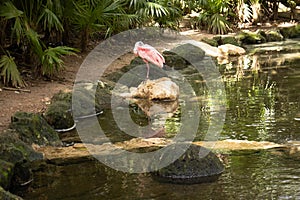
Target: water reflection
<point>260,175</point>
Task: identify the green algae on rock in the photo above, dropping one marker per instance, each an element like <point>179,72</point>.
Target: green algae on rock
<point>33,128</point>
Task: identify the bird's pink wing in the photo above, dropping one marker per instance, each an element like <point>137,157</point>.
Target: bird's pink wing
<point>150,54</point>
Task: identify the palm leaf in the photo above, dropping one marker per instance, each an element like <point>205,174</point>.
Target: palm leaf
<point>50,20</point>
<point>51,59</point>
<point>219,24</point>
<point>9,11</point>
<point>34,40</point>
<point>10,72</point>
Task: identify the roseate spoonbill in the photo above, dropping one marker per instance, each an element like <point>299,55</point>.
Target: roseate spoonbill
<point>148,54</point>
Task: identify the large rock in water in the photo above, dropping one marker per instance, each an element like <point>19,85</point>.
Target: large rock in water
<point>196,165</point>
<point>231,50</point>
<point>159,89</point>
<point>5,195</point>
<point>33,128</point>
<point>6,173</point>
<point>59,114</point>
<point>16,157</point>
<point>180,57</point>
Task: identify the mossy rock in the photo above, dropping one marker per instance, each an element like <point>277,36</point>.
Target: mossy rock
<point>33,128</point>
<point>196,165</point>
<point>290,32</point>
<point>89,95</point>
<point>273,36</point>
<point>175,61</point>
<point>58,113</point>
<point>211,42</point>
<point>14,150</point>
<point>230,40</point>
<point>6,173</point>
<point>16,157</point>
<point>136,78</point>
<point>182,56</point>
<point>5,195</point>
<point>251,37</point>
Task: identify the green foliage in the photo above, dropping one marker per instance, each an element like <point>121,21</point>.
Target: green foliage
<point>51,59</point>
<point>214,15</point>
<point>26,20</point>
<point>99,16</point>
<point>9,12</point>
<point>9,71</point>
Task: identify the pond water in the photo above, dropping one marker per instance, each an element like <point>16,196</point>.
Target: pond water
<point>262,104</point>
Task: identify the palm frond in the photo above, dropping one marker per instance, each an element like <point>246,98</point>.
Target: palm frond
<point>34,41</point>
<point>50,20</point>
<point>51,59</point>
<point>153,9</point>
<point>9,11</point>
<point>10,72</point>
<point>218,24</point>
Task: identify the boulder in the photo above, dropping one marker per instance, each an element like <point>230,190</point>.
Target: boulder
<point>231,50</point>
<point>213,42</point>
<point>5,195</point>
<point>33,128</point>
<point>14,150</point>
<point>183,55</point>
<point>159,89</point>
<point>273,36</point>
<point>249,37</point>
<point>59,114</point>
<point>175,61</point>
<point>6,173</point>
<point>16,157</point>
<point>229,40</point>
<point>290,31</point>
<point>196,165</point>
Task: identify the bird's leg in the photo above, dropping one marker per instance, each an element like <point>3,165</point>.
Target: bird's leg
<point>148,68</point>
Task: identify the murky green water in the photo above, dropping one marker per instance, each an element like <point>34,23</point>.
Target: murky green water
<point>263,101</point>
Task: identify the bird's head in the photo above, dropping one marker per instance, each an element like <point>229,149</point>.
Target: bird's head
<point>137,44</point>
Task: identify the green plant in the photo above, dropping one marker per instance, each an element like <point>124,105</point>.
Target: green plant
<point>31,23</point>
<point>106,16</point>
<point>51,59</point>
<point>10,72</point>
<point>214,14</point>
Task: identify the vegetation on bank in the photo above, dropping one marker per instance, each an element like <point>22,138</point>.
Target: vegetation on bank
<point>35,34</point>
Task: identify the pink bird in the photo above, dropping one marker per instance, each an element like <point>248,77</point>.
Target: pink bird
<point>148,54</point>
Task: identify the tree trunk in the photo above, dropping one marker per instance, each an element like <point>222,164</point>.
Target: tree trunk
<point>2,33</point>
<point>275,10</point>
<point>84,39</point>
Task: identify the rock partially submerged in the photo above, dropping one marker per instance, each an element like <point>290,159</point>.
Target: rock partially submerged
<point>5,195</point>
<point>16,157</point>
<point>196,165</point>
<point>231,50</point>
<point>33,128</point>
<point>159,89</point>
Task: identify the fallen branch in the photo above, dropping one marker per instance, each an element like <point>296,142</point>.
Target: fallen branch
<point>16,89</point>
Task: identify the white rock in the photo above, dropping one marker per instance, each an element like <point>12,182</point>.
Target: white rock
<point>159,89</point>
<point>230,49</point>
